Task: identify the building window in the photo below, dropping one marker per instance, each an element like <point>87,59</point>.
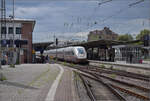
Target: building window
<point>3,31</point>
<point>10,30</point>
<point>18,30</point>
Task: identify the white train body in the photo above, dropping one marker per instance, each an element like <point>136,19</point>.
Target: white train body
<point>75,54</point>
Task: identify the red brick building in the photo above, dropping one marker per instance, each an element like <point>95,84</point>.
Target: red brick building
<point>27,30</point>
<point>23,30</point>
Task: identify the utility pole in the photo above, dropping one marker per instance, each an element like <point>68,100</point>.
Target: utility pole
<point>3,27</point>
<point>56,47</point>
<point>13,39</point>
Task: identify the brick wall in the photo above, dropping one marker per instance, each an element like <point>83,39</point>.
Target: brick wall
<point>27,35</point>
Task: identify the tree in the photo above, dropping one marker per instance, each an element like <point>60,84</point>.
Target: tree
<point>125,37</point>
<point>142,34</point>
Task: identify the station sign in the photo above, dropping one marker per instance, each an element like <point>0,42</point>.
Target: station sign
<point>33,51</point>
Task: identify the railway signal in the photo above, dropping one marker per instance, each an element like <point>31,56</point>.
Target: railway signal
<point>56,41</point>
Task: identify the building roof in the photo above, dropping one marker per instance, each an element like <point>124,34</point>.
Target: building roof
<point>41,45</point>
<point>22,21</point>
<point>104,43</point>
<point>106,30</point>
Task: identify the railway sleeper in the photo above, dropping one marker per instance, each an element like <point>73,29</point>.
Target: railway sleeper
<point>131,92</point>
<point>115,92</point>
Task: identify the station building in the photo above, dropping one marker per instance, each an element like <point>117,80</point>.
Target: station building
<point>23,30</point>
<point>104,34</point>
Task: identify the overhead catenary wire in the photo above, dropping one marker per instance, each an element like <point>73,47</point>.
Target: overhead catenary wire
<point>117,13</point>
<point>89,24</point>
<point>121,11</point>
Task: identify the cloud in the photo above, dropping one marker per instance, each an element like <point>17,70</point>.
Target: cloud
<point>74,19</point>
<point>39,11</point>
<point>82,34</point>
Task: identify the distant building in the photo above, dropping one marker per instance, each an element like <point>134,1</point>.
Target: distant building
<point>105,34</point>
<point>23,29</point>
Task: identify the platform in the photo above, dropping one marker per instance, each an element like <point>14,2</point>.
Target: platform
<point>145,66</point>
<point>37,82</point>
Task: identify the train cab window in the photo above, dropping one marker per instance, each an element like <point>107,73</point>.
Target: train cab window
<point>80,50</point>
<point>72,52</point>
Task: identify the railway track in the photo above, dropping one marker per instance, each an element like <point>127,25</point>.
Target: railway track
<point>118,72</point>
<point>88,88</point>
<point>120,92</point>
<point>144,78</point>
<point>100,92</point>
<point>120,80</point>
<point>135,90</point>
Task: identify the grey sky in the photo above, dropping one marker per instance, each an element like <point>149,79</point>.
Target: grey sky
<point>70,19</point>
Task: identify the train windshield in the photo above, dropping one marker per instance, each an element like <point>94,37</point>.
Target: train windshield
<point>80,50</point>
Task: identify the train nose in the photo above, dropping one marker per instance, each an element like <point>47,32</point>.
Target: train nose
<point>82,56</point>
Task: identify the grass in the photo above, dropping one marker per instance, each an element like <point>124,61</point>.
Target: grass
<point>12,66</point>
<point>102,66</point>
<point>76,76</point>
<point>116,69</point>
<point>2,77</point>
<point>37,78</point>
<point>19,92</point>
<point>64,63</point>
<point>41,79</point>
<point>113,76</point>
<point>146,59</point>
<point>111,67</point>
<point>139,72</point>
<point>72,65</point>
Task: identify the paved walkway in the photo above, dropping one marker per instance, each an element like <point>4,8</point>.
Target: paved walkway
<point>52,91</point>
<point>37,82</point>
<point>27,82</point>
<point>123,63</point>
<point>66,90</point>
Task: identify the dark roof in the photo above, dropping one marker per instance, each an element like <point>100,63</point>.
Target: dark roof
<point>100,43</point>
<point>104,43</point>
<point>41,45</point>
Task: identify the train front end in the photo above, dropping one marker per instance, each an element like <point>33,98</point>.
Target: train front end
<point>81,55</point>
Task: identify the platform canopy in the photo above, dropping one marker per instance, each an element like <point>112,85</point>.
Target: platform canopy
<point>41,45</point>
<point>104,43</point>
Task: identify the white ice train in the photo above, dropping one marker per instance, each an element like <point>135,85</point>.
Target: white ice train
<point>75,54</point>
